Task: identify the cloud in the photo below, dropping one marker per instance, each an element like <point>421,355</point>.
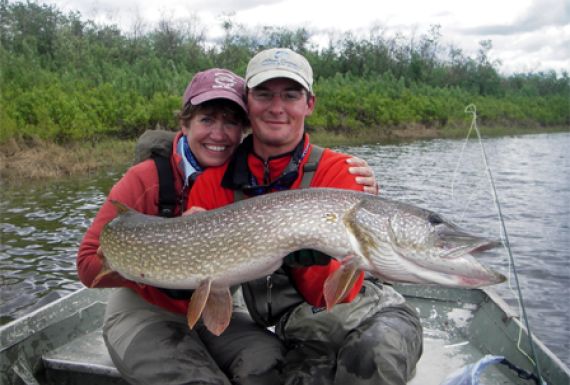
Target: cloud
<point>541,14</point>
<point>534,51</point>
<point>231,5</point>
<point>531,34</point>
<point>121,12</point>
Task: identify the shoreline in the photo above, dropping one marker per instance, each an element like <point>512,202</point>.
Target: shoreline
<point>38,160</point>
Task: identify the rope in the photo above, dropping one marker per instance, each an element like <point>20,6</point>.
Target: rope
<point>471,109</point>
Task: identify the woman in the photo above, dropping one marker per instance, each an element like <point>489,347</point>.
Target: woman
<point>145,327</point>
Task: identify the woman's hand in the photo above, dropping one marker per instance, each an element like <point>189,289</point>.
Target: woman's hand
<point>107,277</point>
<point>364,174</point>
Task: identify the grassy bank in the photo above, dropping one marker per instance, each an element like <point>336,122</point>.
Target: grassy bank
<point>39,159</point>
<point>36,159</point>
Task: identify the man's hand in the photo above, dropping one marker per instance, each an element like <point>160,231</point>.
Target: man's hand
<point>193,210</point>
<point>364,174</point>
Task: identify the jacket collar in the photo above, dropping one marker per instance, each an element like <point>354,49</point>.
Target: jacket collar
<point>238,175</point>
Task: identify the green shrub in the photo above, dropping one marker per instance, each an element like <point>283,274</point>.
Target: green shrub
<point>65,79</point>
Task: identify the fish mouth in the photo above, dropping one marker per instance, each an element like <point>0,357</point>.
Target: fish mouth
<point>456,242</point>
<point>464,270</point>
<point>454,265</point>
<point>458,248</point>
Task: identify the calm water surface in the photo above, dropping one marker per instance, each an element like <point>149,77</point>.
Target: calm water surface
<point>41,225</point>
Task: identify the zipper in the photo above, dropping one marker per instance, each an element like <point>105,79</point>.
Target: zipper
<point>269,282</point>
<point>266,172</point>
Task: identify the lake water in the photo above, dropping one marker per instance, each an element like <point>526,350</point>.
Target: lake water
<point>42,224</point>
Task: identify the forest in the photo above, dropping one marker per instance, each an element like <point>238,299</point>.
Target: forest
<point>66,79</point>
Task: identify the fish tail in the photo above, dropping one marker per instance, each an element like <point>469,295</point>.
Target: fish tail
<point>104,272</point>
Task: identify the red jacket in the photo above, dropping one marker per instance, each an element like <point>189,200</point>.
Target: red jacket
<point>138,189</point>
<point>331,172</point>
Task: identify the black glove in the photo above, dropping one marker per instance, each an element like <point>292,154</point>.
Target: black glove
<point>177,294</point>
<point>305,258</point>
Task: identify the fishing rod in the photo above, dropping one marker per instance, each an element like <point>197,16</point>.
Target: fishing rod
<point>472,109</point>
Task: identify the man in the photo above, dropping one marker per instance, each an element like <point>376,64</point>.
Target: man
<point>372,337</point>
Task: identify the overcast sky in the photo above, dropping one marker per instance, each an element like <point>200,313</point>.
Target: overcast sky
<point>527,35</point>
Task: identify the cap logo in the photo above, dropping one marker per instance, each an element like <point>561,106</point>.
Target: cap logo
<point>224,80</point>
<point>280,60</point>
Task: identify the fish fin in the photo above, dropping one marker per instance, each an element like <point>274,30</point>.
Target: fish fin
<point>111,278</point>
<point>361,239</point>
<point>340,282</point>
<point>198,302</point>
<point>121,207</point>
<point>218,310</point>
<point>104,272</point>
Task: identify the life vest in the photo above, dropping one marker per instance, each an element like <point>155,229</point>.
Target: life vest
<point>157,145</point>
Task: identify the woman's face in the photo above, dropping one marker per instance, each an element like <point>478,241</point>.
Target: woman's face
<point>213,135</point>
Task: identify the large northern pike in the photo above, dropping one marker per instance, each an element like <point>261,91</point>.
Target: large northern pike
<point>211,251</point>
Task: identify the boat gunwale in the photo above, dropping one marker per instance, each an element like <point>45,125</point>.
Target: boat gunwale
<point>22,328</point>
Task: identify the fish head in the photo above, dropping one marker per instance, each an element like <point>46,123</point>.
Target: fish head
<point>409,244</point>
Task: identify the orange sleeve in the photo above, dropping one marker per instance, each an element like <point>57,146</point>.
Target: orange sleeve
<point>208,192</point>
<point>333,172</point>
<point>138,189</point>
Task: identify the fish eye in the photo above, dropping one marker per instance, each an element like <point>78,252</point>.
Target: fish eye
<point>435,219</point>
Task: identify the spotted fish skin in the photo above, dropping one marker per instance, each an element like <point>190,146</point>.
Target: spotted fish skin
<point>248,239</point>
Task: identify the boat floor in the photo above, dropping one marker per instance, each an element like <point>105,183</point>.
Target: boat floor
<point>86,354</point>
<point>446,347</point>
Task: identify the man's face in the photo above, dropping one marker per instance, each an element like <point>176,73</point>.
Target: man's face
<point>277,111</point>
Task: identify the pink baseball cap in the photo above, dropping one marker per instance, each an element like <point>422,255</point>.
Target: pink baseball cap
<point>215,83</point>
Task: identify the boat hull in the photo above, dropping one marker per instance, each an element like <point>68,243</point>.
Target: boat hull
<point>61,343</point>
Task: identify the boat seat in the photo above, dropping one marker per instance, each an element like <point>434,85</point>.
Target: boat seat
<point>86,355</point>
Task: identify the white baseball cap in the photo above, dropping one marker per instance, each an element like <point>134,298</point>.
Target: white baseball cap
<point>279,63</point>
